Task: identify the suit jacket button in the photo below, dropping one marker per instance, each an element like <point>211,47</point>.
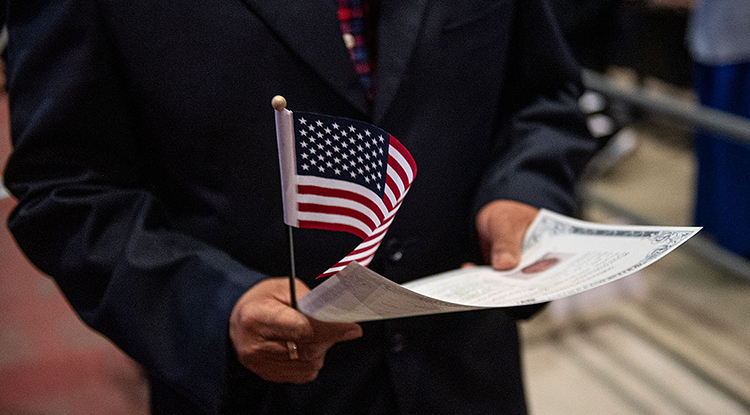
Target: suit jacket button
<point>396,256</point>
<point>397,343</point>
<point>349,41</point>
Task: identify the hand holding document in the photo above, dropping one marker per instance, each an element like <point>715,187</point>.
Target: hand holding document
<point>561,257</point>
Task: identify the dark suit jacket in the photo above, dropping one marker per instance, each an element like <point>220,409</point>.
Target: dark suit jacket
<point>146,169</point>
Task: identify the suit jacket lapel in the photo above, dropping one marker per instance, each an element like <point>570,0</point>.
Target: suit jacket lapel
<point>399,26</point>
<point>311,28</point>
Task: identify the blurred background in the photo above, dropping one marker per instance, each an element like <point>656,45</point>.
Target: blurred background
<point>668,96</point>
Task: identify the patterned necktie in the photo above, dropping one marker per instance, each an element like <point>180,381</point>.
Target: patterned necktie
<point>356,28</point>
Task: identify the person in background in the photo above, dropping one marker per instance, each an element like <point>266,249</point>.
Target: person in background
<point>146,171</point>
<point>719,42</point>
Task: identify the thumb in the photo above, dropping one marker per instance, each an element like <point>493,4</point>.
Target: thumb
<point>502,226</point>
<point>506,250</point>
<point>336,332</point>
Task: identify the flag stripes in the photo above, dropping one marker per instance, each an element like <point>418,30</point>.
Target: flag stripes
<point>347,176</point>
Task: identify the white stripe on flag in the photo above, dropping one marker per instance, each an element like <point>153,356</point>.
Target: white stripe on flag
<point>402,162</point>
<point>339,202</point>
<point>343,185</point>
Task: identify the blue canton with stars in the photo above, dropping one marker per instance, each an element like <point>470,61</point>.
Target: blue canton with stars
<point>342,149</point>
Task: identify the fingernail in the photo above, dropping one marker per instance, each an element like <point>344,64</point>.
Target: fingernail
<point>504,261</point>
<point>353,333</point>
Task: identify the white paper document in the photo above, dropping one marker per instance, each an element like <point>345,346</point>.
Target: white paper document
<point>561,257</point>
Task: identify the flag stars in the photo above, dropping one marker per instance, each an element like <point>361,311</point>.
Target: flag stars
<point>331,150</point>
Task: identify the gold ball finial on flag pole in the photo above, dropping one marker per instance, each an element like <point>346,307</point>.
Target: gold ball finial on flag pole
<point>279,103</point>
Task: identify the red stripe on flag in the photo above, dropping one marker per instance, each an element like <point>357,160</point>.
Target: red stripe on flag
<point>399,170</point>
<point>338,210</point>
<point>343,194</point>
<point>309,224</point>
<point>396,193</point>
<point>405,154</point>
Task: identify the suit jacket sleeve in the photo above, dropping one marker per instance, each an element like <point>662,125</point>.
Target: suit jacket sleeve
<point>543,142</point>
<point>87,217</point>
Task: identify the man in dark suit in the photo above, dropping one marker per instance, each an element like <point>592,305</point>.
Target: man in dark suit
<point>146,170</point>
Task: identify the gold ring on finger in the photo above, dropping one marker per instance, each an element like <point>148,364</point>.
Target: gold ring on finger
<point>291,347</point>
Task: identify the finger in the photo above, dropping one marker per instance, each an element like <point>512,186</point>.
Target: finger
<point>287,324</point>
<point>278,350</point>
<point>327,332</point>
<point>466,265</point>
<point>502,226</point>
<point>289,371</point>
<point>506,250</point>
<point>300,288</point>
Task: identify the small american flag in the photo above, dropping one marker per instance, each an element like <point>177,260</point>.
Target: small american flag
<point>342,175</point>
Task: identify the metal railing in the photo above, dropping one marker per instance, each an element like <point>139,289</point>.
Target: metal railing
<point>735,127</point>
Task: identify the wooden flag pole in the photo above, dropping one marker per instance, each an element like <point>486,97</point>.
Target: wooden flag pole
<point>279,104</point>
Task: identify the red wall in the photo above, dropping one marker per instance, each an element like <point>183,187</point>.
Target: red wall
<point>50,362</point>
